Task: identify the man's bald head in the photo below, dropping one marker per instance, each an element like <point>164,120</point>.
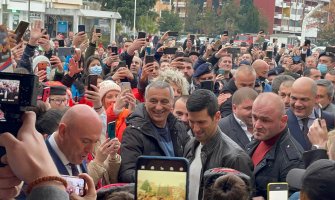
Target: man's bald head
<point>78,133</point>
<point>268,116</point>
<point>77,114</point>
<point>305,82</point>
<point>269,99</point>
<point>303,96</point>
<point>261,67</point>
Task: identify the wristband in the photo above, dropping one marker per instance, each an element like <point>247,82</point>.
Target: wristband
<point>46,179</point>
<point>98,108</point>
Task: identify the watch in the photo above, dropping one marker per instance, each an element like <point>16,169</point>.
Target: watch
<point>314,147</point>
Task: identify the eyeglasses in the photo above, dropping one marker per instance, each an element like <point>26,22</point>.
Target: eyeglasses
<point>59,101</point>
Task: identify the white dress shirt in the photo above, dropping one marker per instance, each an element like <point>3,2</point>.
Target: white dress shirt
<point>61,155</point>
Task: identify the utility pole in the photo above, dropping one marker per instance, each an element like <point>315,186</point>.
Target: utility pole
<point>134,29</point>
<point>28,10</point>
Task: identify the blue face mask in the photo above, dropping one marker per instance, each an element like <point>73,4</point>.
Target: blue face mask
<point>96,70</point>
<point>323,68</point>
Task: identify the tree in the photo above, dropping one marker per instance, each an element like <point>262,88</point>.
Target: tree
<point>229,18</point>
<point>326,23</point>
<point>249,23</point>
<point>147,24</point>
<point>126,9</point>
<point>146,186</point>
<point>191,19</point>
<point>170,21</point>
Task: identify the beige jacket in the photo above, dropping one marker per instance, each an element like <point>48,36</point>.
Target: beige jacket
<point>108,171</point>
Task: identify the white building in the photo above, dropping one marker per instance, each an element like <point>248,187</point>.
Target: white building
<point>54,13</point>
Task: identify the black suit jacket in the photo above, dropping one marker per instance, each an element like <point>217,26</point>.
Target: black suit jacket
<point>233,129</point>
<point>295,129</point>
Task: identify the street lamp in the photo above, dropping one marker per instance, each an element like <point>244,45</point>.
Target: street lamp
<point>134,29</point>
<point>28,10</point>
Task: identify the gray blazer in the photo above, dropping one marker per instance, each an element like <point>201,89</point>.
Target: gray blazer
<point>48,192</point>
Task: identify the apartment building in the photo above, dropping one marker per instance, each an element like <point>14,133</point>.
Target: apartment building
<point>286,16</point>
<point>59,16</point>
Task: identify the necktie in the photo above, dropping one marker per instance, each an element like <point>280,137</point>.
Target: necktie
<point>74,169</point>
<point>305,130</point>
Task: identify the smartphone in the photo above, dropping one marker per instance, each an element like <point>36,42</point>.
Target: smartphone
<point>61,43</point>
<point>114,50</point>
<point>208,85</point>
<point>46,94</point>
<point>220,71</point>
<point>20,30</point>
<point>217,44</point>
<point>125,86</point>
<point>265,46</point>
<point>42,66</point>
<point>269,54</point>
<point>173,33</point>
<point>256,45</point>
<point>75,185</point>
<point>278,191</point>
<point>141,35</point>
<point>65,51</point>
<point>231,41</point>
<point>81,28</point>
<point>161,178</point>
<point>234,50</point>
<point>122,64</point>
<point>307,42</point>
<point>170,50</point>
<point>92,80</point>
<point>111,129</point>
<point>148,50</point>
<point>97,30</point>
<point>179,54</point>
<point>192,37</point>
<point>149,59</point>
<point>282,45</point>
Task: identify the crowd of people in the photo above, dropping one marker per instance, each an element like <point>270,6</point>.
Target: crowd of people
<point>243,119</point>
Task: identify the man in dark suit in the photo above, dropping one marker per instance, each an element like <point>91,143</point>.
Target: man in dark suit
<point>304,111</point>
<point>238,125</point>
<point>78,132</point>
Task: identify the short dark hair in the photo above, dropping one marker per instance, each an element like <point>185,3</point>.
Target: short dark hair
<point>203,99</point>
<point>278,81</point>
<point>230,187</point>
<point>49,121</point>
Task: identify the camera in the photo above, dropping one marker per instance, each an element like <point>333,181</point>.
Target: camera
<point>17,93</point>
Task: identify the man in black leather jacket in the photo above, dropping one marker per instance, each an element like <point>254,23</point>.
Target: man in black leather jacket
<point>273,150</point>
<point>210,148</point>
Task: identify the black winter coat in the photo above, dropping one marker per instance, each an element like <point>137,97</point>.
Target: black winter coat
<point>140,138</point>
<point>283,156</point>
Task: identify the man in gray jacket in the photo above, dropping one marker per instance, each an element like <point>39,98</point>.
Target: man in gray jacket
<point>210,148</point>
